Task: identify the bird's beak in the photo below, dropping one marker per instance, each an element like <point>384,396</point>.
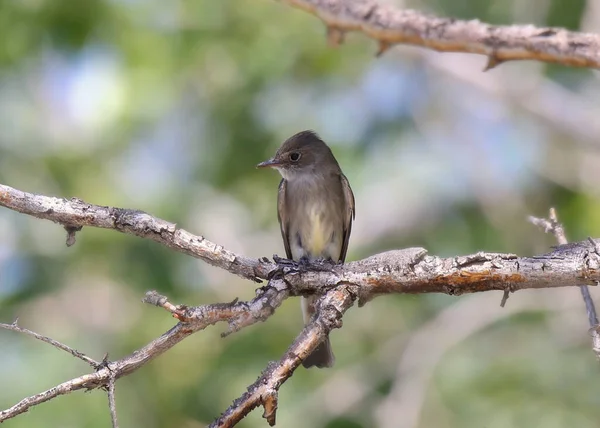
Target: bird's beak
<point>269,163</point>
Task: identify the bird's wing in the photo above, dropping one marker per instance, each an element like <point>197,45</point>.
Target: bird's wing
<point>348,215</point>
<point>284,221</point>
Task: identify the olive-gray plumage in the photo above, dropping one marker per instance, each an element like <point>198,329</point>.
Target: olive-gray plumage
<point>315,207</point>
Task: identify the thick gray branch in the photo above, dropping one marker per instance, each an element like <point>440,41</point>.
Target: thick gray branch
<point>412,271</point>
<point>74,214</point>
<point>399,271</point>
<point>389,25</point>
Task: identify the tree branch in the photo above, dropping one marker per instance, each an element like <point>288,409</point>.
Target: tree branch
<point>111,401</point>
<point>400,271</point>
<point>15,327</point>
<point>264,391</point>
<point>237,314</point>
<point>74,214</point>
<point>553,225</point>
<point>389,25</point>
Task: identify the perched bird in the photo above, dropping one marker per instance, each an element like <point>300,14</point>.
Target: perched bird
<point>315,207</point>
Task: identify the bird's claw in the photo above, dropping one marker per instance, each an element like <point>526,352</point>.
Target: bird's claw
<point>320,265</point>
<point>282,262</point>
<point>304,265</point>
<point>284,266</point>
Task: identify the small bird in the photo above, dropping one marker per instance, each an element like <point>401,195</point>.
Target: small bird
<point>315,207</point>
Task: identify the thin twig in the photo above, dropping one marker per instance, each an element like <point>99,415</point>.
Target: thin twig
<point>556,228</point>
<point>111,401</point>
<point>15,327</point>
<point>589,305</point>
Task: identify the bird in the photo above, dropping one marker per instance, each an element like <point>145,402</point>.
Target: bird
<point>315,209</point>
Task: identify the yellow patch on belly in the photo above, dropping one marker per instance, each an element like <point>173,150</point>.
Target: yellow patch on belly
<point>319,233</point>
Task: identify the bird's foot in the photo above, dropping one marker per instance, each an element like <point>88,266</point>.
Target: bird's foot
<point>321,264</point>
<point>304,265</point>
<point>283,262</point>
<point>284,266</point>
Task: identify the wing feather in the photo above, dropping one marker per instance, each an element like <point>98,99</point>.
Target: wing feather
<point>348,215</point>
<point>284,222</point>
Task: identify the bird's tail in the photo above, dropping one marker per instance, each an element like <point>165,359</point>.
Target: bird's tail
<point>322,356</point>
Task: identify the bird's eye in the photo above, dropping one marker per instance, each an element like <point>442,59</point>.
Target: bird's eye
<point>295,156</point>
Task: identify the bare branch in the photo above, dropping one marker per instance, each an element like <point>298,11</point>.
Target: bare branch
<point>407,271</point>
<point>389,25</point>
<point>111,401</point>
<point>264,391</point>
<point>90,381</point>
<point>74,214</point>
<point>237,314</point>
<point>400,271</point>
<point>412,271</point>
<point>15,327</point>
<point>553,225</point>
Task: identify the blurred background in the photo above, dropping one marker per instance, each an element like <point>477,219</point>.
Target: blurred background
<point>166,107</point>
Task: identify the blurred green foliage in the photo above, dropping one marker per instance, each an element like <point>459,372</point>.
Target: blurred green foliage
<point>167,106</point>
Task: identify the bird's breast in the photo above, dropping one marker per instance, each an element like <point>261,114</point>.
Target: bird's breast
<point>316,227</point>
